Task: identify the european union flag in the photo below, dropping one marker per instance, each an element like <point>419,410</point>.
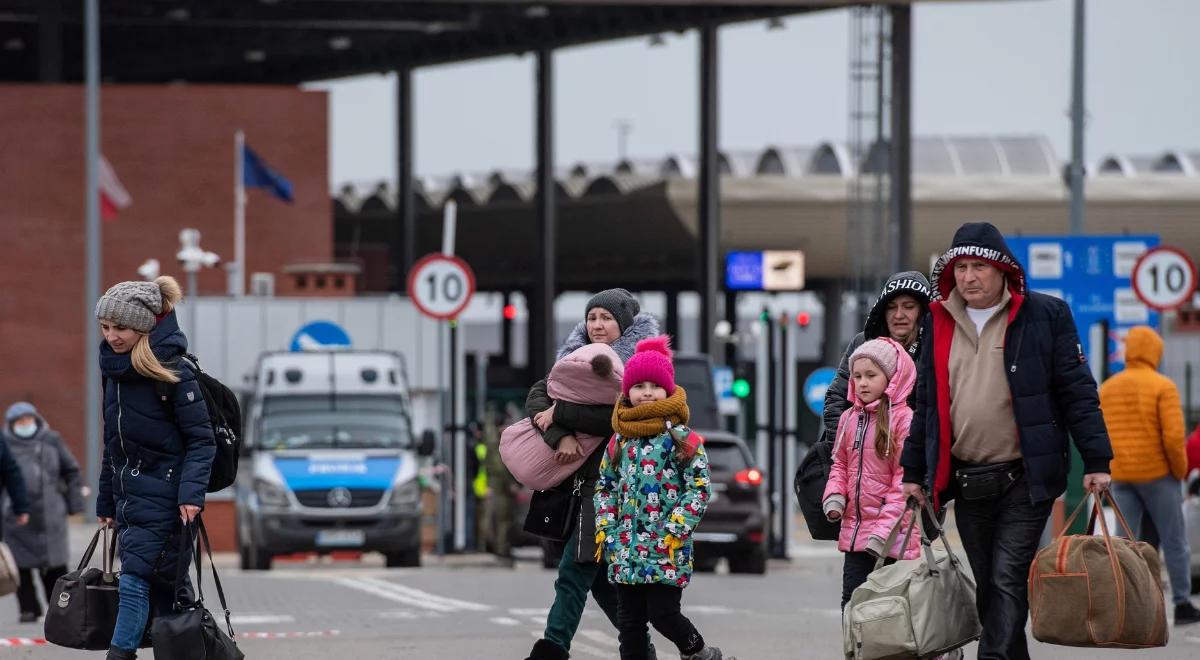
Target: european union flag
<point>257,174</point>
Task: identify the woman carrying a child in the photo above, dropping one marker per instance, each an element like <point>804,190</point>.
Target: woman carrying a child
<point>612,317</point>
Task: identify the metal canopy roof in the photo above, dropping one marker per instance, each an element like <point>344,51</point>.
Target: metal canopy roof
<point>292,41</point>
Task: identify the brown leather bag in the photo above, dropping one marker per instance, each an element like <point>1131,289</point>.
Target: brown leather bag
<point>1098,591</point>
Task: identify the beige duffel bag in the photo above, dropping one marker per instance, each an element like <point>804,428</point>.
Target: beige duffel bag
<point>914,608</point>
<point>1098,591</point>
<point>10,579</point>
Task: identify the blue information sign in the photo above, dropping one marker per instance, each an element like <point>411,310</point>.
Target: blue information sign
<point>815,386</point>
<point>1093,275</point>
<point>319,336</point>
<point>744,271</point>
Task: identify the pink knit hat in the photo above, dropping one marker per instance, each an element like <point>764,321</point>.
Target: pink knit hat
<point>879,351</point>
<point>651,362</point>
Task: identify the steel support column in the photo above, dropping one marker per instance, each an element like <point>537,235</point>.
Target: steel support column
<point>1075,172</point>
<point>49,43</point>
<point>402,246</point>
<point>901,155</point>
<point>709,198</point>
<point>541,304</point>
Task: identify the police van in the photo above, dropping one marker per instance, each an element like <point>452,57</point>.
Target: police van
<point>330,459</point>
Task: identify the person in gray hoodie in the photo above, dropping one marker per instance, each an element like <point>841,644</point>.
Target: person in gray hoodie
<point>55,491</point>
<point>897,314</point>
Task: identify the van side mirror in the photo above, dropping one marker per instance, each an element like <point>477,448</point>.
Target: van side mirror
<point>428,443</point>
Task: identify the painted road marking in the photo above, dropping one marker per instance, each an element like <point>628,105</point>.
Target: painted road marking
<point>22,641</point>
<point>505,621</point>
<point>530,611</point>
<point>405,595</point>
<point>261,619</point>
<point>289,635</point>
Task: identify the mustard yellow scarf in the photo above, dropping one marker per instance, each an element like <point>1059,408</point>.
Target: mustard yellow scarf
<point>649,420</point>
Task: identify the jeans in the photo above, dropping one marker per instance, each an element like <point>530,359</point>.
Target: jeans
<point>571,588</point>
<point>1001,537</point>
<point>27,597</point>
<point>657,604</point>
<point>1162,502</point>
<point>133,610</point>
<point>855,569</point>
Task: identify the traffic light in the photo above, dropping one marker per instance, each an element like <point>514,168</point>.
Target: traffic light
<point>510,312</point>
<point>741,388</point>
<point>803,319</point>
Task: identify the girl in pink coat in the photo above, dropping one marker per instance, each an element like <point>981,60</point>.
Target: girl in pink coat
<point>864,489</point>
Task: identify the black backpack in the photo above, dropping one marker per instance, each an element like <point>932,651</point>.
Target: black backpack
<point>809,484</point>
<point>225,415</point>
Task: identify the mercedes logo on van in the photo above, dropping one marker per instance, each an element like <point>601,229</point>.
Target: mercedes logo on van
<point>339,498</point>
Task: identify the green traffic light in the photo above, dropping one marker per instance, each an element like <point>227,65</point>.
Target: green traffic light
<point>741,388</point>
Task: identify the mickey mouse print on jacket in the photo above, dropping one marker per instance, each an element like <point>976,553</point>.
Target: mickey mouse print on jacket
<point>652,493</point>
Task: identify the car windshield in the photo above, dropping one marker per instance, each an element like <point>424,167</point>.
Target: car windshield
<point>332,431</point>
<point>695,375</point>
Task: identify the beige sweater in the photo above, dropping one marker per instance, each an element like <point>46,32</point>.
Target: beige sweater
<point>981,413</point>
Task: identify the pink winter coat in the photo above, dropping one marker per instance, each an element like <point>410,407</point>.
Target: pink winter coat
<point>871,484</point>
<point>590,375</point>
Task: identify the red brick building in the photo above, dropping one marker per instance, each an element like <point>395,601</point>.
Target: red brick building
<point>172,147</point>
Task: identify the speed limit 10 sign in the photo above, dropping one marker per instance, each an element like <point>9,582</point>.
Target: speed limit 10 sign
<point>441,286</point>
<point>1164,278</point>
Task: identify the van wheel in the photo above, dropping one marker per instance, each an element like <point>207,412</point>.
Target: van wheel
<point>407,559</point>
<point>253,559</point>
<point>753,562</point>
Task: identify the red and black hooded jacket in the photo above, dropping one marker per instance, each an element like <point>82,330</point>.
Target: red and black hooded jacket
<point>1053,393</point>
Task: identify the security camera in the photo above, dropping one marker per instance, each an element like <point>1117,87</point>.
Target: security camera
<point>149,270</point>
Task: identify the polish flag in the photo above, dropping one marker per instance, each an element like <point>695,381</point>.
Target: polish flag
<point>113,196</point>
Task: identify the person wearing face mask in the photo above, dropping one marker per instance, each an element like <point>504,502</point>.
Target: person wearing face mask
<point>55,491</point>
<point>13,484</point>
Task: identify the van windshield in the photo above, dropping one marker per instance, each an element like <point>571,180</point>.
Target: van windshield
<point>334,431</point>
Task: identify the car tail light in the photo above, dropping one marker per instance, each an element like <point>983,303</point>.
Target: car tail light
<point>749,477</point>
<point>756,536</point>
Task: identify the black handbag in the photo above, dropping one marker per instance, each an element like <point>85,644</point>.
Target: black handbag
<point>83,606</point>
<point>552,512</point>
<point>809,485</point>
<point>191,632</point>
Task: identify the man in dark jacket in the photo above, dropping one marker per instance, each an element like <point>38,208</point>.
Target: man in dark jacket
<point>14,485</point>
<point>1002,383</point>
<point>897,314</point>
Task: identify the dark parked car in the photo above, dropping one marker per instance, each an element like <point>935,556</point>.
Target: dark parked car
<point>734,526</point>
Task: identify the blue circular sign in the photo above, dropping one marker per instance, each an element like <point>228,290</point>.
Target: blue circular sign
<point>815,386</point>
<point>319,336</point>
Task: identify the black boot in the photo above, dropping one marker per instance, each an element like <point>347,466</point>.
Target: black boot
<point>544,649</point>
<point>1186,613</point>
<point>115,653</point>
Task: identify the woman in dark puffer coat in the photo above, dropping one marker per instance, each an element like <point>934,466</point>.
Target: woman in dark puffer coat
<point>158,448</point>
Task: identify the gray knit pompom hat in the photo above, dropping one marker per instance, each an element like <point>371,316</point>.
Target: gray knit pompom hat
<point>131,304</point>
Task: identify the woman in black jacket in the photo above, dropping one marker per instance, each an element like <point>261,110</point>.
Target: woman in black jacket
<point>896,314</point>
<point>612,317</point>
<point>158,448</point>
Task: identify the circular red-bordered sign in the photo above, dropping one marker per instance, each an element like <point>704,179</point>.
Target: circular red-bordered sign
<point>1164,278</point>
<point>441,286</point>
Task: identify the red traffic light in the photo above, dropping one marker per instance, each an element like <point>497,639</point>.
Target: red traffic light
<point>510,312</point>
<point>803,319</point>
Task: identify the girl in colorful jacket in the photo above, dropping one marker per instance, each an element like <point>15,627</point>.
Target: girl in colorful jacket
<point>864,489</point>
<point>652,492</point>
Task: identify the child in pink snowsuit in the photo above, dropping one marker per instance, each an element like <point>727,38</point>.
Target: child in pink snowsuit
<point>864,489</point>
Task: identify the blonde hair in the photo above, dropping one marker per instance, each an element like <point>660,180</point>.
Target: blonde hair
<point>142,356</point>
<point>883,430</point>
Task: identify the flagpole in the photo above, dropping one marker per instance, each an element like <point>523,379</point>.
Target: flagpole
<point>94,273</point>
<point>238,286</point>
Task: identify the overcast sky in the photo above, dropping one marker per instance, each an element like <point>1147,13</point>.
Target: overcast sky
<point>980,68</point>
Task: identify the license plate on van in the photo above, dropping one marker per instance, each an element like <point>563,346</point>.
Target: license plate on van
<point>341,538</point>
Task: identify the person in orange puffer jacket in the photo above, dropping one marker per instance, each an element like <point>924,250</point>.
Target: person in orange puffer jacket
<point>1144,417</point>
